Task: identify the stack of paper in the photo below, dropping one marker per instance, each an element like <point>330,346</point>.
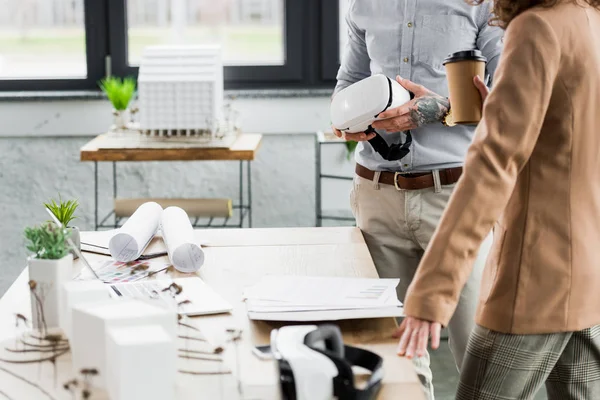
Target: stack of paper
<point>299,298</point>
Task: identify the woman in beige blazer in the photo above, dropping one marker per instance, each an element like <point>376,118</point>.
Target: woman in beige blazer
<point>533,174</point>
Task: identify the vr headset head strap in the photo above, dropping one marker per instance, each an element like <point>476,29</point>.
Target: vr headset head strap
<point>344,357</point>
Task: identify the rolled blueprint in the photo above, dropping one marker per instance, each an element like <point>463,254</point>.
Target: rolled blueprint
<point>131,240</point>
<point>178,234</point>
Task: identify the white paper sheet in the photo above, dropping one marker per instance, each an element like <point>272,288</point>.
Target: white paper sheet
<point>137,232</point>
<point>184,253</point>
<point>330,291</point>
<point>329,315</point>
<point>301,298</point>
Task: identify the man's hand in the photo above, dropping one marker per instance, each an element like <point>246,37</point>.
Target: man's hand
<point>414,334</point>
<point>354,137</point>
<point>426,108</point>
<point>483,89</point>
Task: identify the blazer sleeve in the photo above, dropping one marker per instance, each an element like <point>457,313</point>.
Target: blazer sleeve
<point>504,141</point>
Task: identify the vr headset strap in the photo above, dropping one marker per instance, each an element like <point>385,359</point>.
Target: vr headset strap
<point>343,384</point>
<point>396,151</point>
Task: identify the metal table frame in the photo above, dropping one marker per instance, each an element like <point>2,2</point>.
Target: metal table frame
<point>320,217</point>
<point>244,206</point>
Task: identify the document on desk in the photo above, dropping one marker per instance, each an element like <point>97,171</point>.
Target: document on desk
<point>289,298</point>
<point>307,290</point>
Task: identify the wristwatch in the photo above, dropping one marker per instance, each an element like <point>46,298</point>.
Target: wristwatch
<point>448,119</point>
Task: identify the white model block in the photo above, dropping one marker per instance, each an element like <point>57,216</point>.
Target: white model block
<point>141,363</point>
<point>92,321</point>
<point>79,292</point>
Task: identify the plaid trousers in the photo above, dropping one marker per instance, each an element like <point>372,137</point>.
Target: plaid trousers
<point>501,366</point>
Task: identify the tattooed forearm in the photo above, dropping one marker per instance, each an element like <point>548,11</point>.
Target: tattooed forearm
<point>429,109</point>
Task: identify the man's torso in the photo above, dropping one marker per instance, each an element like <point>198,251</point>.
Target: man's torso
<point>411,38</point>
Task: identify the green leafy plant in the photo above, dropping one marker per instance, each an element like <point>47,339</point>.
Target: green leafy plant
<point>63,210</point>
<point>351,147</point>
<point>47,241</point>
<point>119,91</point>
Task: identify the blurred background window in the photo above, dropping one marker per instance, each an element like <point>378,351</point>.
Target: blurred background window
<point>42,39</point>
<point>251,32</point>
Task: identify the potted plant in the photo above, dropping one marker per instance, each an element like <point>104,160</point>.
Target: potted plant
<point>50,266</point>
<point>119,92</point>
<point>64,211</point>
<point>351,147</point>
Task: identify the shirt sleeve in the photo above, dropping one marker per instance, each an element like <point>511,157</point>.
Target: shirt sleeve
<point>356,63</point>
<point>489,40</point>
<point>504,141</point>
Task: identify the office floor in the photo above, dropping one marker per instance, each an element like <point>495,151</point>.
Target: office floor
<point>445,376</point>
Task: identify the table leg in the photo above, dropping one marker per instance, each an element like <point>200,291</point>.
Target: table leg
<point>318,220</point>
<point>241,203</point>
<point>95,195</point>
<point>115,190</point>
<point>249,163</point>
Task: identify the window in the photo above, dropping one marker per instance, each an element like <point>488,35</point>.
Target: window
<point>41,40</point>
<point>44,44</point>
<point>250,32</point>
<point>72,44</point>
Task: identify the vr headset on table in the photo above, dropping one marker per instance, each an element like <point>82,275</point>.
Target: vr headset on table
<point>314,364</point>
<point>356,107</point>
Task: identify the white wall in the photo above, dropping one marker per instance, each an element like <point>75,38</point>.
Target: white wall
<point>39,158</point>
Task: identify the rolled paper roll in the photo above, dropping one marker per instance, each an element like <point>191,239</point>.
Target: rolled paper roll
<point>184,253</point>
<point>131,240</point>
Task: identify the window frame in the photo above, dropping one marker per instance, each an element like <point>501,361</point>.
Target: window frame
<point>95,26</point>
<point>311,32</point>
<point>330,24</point>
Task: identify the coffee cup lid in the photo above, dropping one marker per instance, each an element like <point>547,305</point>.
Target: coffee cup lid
<point>467,55</point>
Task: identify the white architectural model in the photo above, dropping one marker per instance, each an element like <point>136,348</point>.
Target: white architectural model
<point>180,90</point>
<point>141,363</point>
<point>91,323</point>
<point>76,293</point>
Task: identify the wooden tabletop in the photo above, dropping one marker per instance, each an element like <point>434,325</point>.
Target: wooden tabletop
<point>243,149</point>
<point>230,267</point>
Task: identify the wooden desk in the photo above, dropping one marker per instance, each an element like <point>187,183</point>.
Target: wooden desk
<point>114,148</point>
<point>101,149</point>
<point>229,268</point>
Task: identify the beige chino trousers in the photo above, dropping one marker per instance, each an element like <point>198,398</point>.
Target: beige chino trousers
<point>397,226</point>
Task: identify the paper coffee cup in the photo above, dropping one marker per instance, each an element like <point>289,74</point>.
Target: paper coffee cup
<point>465,99</point>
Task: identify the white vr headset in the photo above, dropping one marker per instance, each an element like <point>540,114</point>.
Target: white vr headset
<point>314,364</point>
<point>356,107</point>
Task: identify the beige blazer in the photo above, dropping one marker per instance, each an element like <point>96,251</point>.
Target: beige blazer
<point>534,167</point>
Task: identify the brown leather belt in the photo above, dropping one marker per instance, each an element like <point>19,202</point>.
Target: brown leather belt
<point>411,181</point>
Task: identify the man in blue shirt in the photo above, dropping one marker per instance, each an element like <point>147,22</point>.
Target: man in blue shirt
<point>398,203</point>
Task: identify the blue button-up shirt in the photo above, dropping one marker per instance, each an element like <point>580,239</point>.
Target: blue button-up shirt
<point>411,38</point>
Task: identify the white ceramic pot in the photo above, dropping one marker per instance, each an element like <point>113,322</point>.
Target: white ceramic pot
<point>49,276</point>
<point>121,119</point>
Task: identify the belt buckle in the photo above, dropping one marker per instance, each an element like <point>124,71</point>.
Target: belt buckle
<point>396,175</point>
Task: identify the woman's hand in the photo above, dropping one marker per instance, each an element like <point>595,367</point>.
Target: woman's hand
<point>414,335</point>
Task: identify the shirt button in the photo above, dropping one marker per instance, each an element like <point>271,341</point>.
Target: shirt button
<point>410,24</point>
<point>405,59</point>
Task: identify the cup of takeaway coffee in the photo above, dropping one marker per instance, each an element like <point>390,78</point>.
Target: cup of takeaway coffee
<point>461,68</point>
